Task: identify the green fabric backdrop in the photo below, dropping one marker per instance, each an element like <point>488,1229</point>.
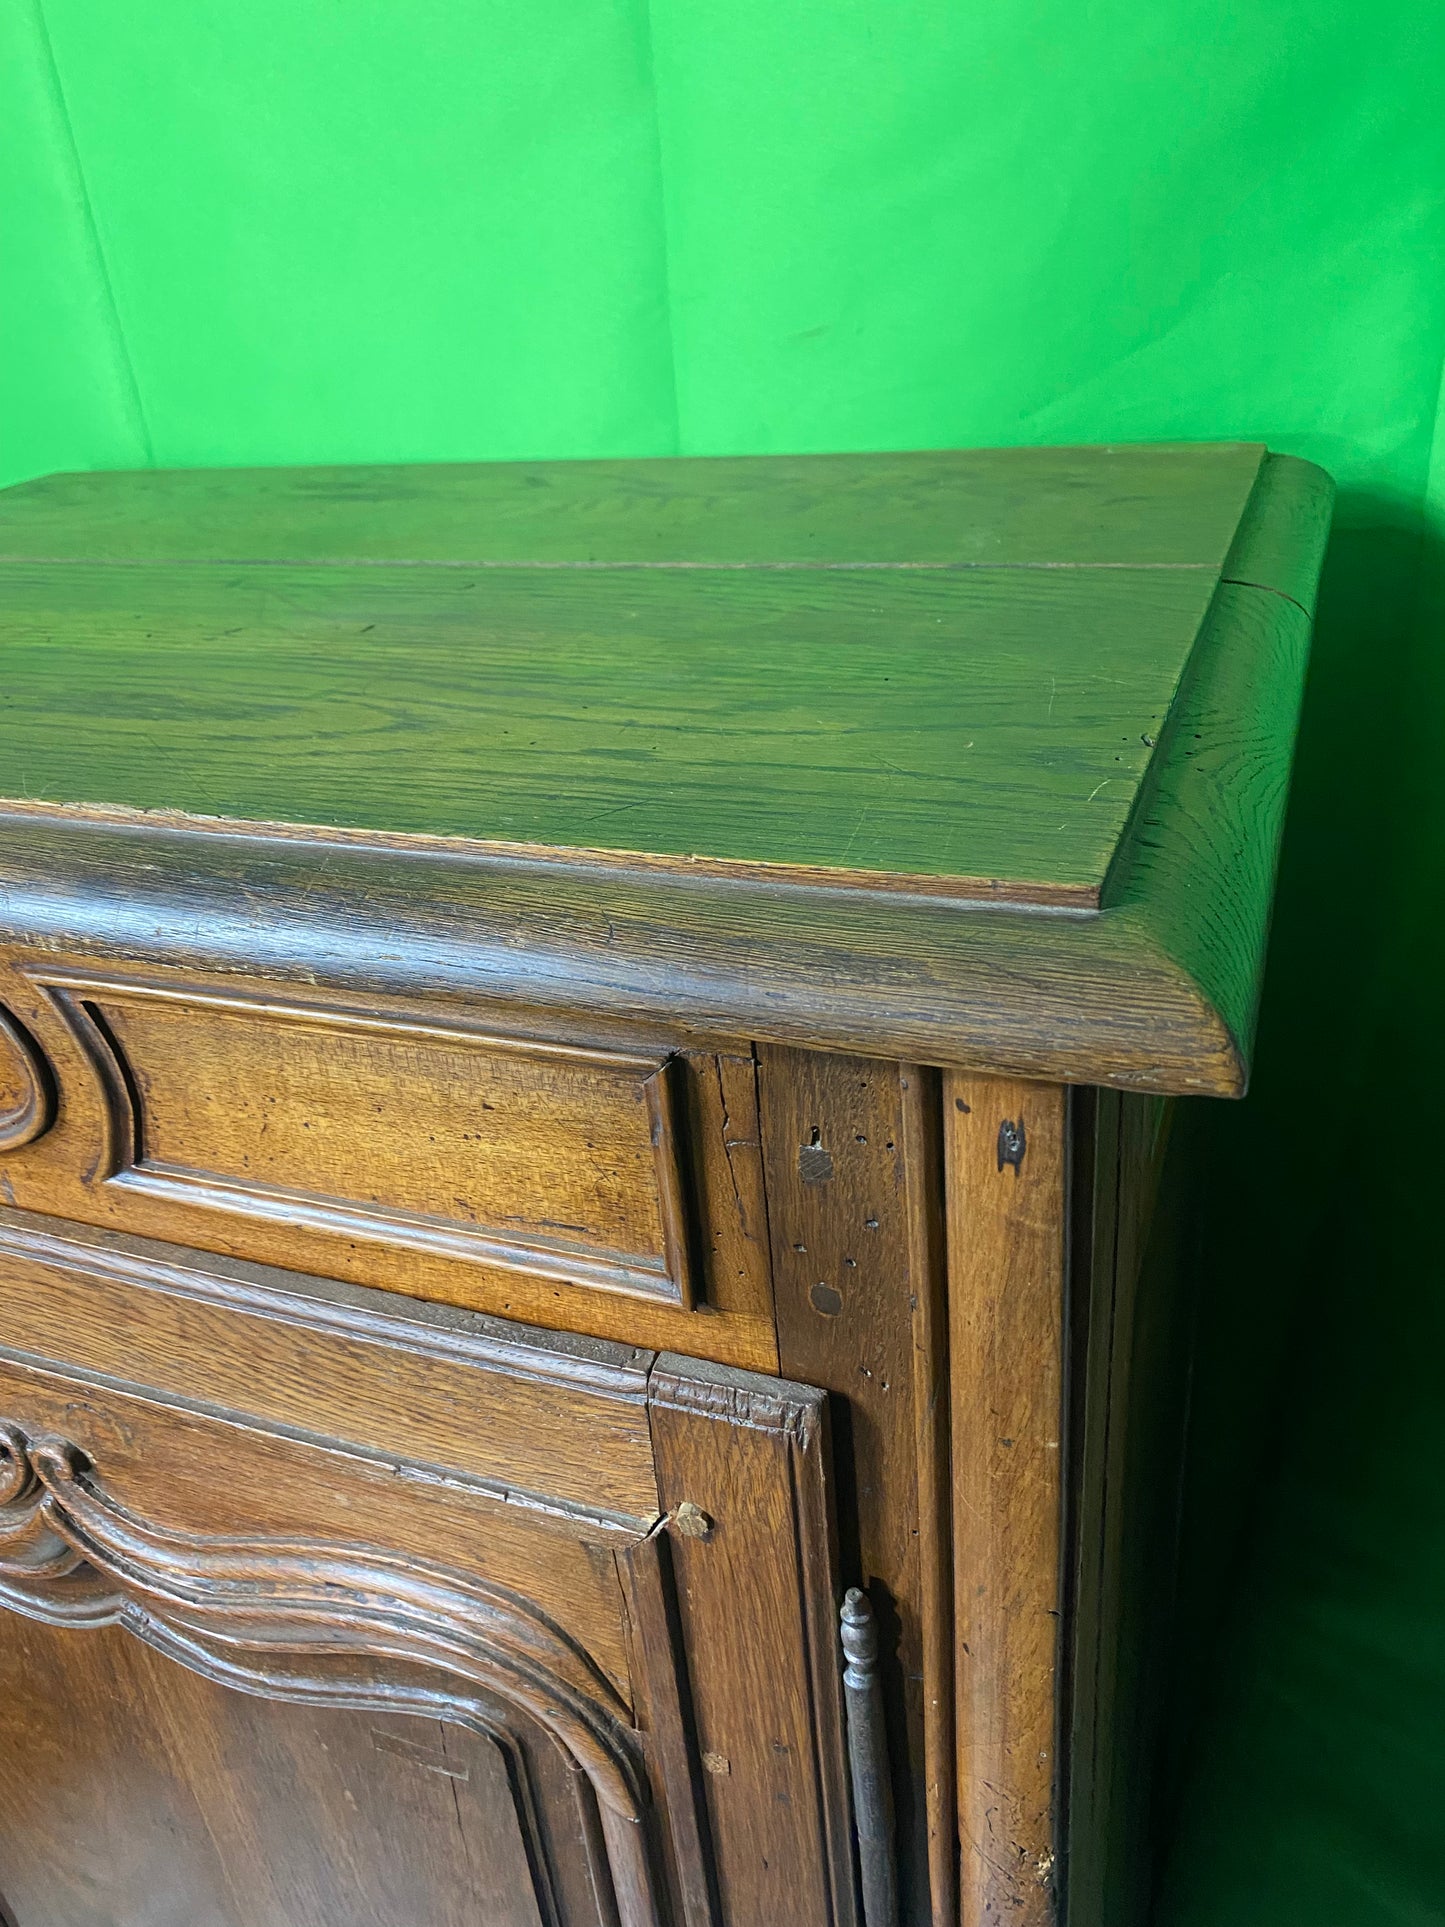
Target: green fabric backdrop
<point>361,230</point>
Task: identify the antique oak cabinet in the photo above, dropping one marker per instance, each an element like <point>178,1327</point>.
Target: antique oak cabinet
<point>585,1058</point>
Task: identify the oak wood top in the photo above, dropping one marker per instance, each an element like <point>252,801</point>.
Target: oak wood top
<point>1154,504</point>
<point>947,680</point>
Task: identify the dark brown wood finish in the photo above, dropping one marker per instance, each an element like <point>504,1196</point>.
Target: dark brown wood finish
<point>135,1812</point>
<point>355,1623</point>
<point>664,1710</point>
<point>565,1418</point>
<point>574,1168</point>
<point>462,1599</point>
<point>1133,1313</point>
<point>921,1093</point>
<point>736,932</point>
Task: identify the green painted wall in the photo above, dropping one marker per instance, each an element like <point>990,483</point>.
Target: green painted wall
<point>353,230</point>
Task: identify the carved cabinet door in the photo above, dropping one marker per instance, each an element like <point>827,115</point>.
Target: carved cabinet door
<point>317,1613</point>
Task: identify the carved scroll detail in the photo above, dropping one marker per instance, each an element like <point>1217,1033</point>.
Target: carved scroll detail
<point>34,1113</point>
<point>332,1624</point>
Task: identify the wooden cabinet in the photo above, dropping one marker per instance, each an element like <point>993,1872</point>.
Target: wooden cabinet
<point>437,1518</point>
<point>587,1332</point>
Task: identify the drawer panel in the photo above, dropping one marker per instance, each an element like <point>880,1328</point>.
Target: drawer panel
<point>580,1184</point>
<point>547,1157</point>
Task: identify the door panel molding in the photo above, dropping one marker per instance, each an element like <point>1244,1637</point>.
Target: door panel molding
<point>332,1624</point>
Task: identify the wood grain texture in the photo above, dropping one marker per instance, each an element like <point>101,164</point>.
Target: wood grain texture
<point>1161,504</point>
<point>27,1087</point>
<point>133,1814</point>
<point>1007,1152</point>
<point>709,931</point>
<point>262,1561</point>
<point>847,1269</point>
<point>1199,867</point>
<point>1090,998</point>
<point>1278,540</point>
<point>350,1624</point>
<point>1133,1291</point>
<point>921,1094</point>
<point>665,1716</point>
<point>259,1612</point>
<point>683,895</point>
<point>1158,992</point>
<point>561,1420</point>
<point>981,732</point>
<point>200,1469</point>
<point>553,1159</point>
<point>1200,874</point>
<point>556,1160</point>
<point>757,1601</point>
<point>734,1323</point>
<point>606,1187</point>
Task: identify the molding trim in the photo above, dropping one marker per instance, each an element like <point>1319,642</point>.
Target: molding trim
<point>331,1624</point>
<point>88,1000</point>
<point>33,1116</point>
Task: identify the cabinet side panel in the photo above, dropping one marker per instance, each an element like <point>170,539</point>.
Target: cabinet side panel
<point>1134,1305</point>
<point>1006,1175</point>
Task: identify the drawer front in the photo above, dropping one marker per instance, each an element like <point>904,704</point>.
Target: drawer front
<point>583,1186</point>
<point>605,1700</point>
<point>546,1158</point>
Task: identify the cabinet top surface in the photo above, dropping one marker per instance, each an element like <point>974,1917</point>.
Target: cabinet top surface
<point>934,678</point>
<point>945,667</point>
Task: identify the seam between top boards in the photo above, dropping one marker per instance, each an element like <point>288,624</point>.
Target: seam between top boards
<point>398,562</point>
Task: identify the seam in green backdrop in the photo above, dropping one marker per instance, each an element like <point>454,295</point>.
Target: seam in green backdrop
<point>68,164</point>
